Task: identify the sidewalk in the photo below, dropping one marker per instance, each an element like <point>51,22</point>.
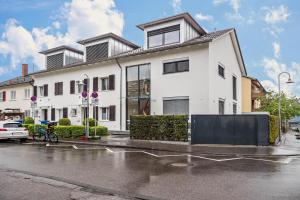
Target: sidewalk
<point>291,147</point>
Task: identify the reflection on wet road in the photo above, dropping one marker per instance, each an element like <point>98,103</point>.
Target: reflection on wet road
<point>158,174</point>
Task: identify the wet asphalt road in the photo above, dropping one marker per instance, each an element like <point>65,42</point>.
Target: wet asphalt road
<point>158,175</point>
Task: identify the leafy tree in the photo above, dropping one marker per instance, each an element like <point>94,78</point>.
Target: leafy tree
<point>289,105</point>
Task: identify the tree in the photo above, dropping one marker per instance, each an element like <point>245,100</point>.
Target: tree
<point>290,107</point>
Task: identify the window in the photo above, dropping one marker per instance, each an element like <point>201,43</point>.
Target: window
<point>73,112</point>
<point>104,113</point>
<point>221,70</point>
<point>164,36</point>
<point>58,88</point>
<point>79,89</point>
<point>138,90</point>
<point>72,87</point>
<point>234,108</point>
<point>221,106</point>
<point>27,113</point>
<point>41,89</point>
<point>13,95</point>
<point>176,106</point>
<point>12,125</point>
<point>27,93</point>
<point>104,83</point>
<point>234,88</point>
<point>2,96</point>
<point>178,66</point>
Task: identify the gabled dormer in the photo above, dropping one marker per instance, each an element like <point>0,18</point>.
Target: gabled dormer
<point>61,56</point>
<point>104,46</point>
<point>171,30</point>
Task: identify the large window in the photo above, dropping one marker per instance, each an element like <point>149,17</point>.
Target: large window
<point>164,36</point>
<point>178,66</point>
<point>138,90</point>
<point>234,88</point>
<point>58,88</point>
<point>221,106</point>
<point>104,113</point>
<point>176,106</point>
<point>104,84</point>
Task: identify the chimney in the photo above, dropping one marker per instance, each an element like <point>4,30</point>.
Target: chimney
<point>24,69</point>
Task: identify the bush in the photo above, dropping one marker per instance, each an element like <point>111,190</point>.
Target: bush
<point>100,131</point>
<point>64,122</point>
<point>77,131</point>
<point>28,120</point>
<point>92,122</point>
<point>159,127</point>
<point>274,128</point>
<point>33,127</point>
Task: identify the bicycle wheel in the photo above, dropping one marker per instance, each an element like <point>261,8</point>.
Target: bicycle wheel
<point>38,137</point>
<point>53,138</point>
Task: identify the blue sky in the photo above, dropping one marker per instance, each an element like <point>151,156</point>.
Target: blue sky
<point>267,30</point>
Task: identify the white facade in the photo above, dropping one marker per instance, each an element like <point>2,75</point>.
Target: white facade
<point>195,87</point>
<point>16,97</point>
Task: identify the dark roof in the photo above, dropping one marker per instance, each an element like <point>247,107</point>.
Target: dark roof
<point>108,35</point>
<point>59,48</point>
<point>16,81</point>
<point>185,16</point>
<point>199,40</point>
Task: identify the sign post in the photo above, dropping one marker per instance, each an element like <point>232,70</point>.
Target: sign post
<point>33,106</point>
<point>95,103</point>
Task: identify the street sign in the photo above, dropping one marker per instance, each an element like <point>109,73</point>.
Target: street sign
<point>84,94</point>
<point>33,98</point>
<point>95,101</point>
<point>94,95</point>
<point>85,102</point>
<point>33,104</point>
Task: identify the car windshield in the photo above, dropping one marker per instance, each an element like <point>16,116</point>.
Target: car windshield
<point>12,125</point>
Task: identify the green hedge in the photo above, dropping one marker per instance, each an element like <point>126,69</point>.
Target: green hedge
<point>64,122</point>
<point>77,131</point>
<point>274,128</point>
<point>91,121</point>
<point>28,120</point>
<point>32,127</point>
<point>159,127</point>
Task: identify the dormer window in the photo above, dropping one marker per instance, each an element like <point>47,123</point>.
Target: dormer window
<point>164,36</point>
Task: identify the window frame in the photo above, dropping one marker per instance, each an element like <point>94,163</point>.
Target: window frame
<point>162,32</point>
<point>27,92</point>
<point>234,108</point>
<point>106,115</point>
<point>176,66</point>
<point>223,67</point>
<point>165,99</point>
<point>234,89</point>
<point>106,78</point>
<point>15,95</point>
<point>223,101</point>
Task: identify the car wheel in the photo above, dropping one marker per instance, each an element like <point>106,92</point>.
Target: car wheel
<point>23,139</point>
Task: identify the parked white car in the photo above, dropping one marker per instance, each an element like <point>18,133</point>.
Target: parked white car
<point>12,130</point>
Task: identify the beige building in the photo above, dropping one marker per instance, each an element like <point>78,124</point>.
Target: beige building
<point>251,91</point>
<point>15,96</point>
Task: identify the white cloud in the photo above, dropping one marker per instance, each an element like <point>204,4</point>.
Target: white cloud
<point>176,4</point>
<point>82,18</point>
<point>269,85</point>
<point>202,17</point>
<point>274,17</point>
<point>235,5</point>
<point>276,49</point>
<point>277,15</point>
<point>273,67</point>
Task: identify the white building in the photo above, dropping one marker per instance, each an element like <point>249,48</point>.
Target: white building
<point>180,70</point>
<point>15,95</point>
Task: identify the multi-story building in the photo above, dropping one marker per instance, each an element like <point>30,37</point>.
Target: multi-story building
<point>181,69</point>
<point>15,96</point>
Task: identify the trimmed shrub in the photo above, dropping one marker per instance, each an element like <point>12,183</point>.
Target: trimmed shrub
<point>159,127</point>
<point>34,128</point>
<point>91,121</point>
<point>28,120</point>
<point>63,131</point>
<point>100,131</point>
<point>77,131</point>
<point>274,128</point>
<point>64,122</point>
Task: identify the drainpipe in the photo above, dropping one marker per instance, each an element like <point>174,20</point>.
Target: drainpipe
<point>121,78</point>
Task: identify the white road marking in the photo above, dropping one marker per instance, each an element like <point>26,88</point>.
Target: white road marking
<point>286,161</point>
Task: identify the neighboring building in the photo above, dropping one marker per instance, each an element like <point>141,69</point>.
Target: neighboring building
<point>180,70</point>
<point>251,91</point>
<point>15,96</point>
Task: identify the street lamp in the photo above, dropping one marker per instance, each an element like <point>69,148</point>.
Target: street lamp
<point>279,100</point>
<point>86,100</point>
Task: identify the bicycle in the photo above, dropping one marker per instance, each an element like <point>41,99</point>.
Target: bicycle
<point>45,134</point>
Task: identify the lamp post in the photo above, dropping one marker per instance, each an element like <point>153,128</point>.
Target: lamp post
<point>279,99</point>
<point>86,100</point>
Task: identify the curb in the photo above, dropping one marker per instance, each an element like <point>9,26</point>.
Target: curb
<point>167,150</point>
